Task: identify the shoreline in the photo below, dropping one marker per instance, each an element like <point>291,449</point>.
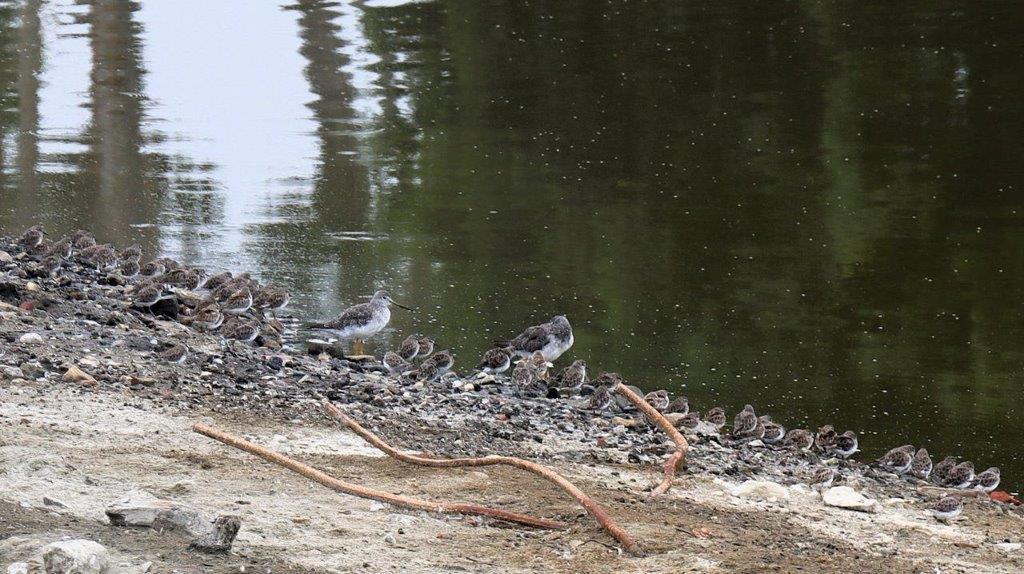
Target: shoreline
<point>125,425</point>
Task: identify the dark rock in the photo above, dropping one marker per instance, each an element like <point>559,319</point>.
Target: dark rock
<point>167,308</point>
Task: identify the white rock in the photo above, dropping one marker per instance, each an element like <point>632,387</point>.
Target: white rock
<point>75,557</point>
<point>137,508</point>
<point>6,257</point>
<point>18,568</point>
<point>1008,546</point>
<point>30,339</point>
<point>846,497</point>
<point>761,490</point>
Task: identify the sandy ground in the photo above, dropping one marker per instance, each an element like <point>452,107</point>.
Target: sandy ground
<point>87,449</point>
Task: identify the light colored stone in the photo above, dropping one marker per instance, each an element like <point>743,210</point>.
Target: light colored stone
<point>75,557</point>
<point>53,502</point>
<point>5,257</point>
<point>137,508</point>
<point>761,490</point>
<point>11,372</point>
<point>674,418</point>
<point>17,567</point>
<point>1008,547</point>
<point>30,339</point>
<point>846,497</point>
<point>32,287</point>
<point>624,421</point>
<point>76,375</point>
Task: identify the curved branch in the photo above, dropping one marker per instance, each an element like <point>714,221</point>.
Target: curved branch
<point>676,460</point>
<point>364,492</point>
<point>595,509</point>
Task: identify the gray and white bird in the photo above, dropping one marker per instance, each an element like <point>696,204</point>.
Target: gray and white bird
<point>362,321</point>
<point>822,478</point>
<point>941,470</point>
<point>552,339</point>
<point>745,421</point>
<point>716,416</point>
<point>409,348</point>
<point>177,353</point>
<point>799,439</point>
<point>395,364</point>
<point>773,431</point>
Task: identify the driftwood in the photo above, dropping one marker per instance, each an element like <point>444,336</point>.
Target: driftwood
<point>364,492</point>
<point>676,460</point>
<point>595,509</point>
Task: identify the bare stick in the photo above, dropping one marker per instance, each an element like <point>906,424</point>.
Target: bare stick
<point>676,460</point>
<point>364,492</point>
<point>595,509</point>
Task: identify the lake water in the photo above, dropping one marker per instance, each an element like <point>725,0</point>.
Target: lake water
<point>812,207</point>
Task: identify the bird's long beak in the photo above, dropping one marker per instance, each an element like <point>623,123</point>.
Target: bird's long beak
<point>396,303</point>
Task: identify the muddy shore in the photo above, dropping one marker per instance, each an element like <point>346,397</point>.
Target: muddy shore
<point>85,441</point>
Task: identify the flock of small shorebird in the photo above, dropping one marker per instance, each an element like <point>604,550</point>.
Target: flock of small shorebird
<point>228,303</point>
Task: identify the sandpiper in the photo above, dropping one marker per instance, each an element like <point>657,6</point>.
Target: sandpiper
<point>496,361</point>
<point>435,366</point>
<point>32,237</point>
<point>822,478</point>
<point>152,269</point>
<point>426,346</point>
<point>525,374</point>
<point>89,252</point>
<point>62,248</point>
<point>947,508</point>
<point>800,439</point>
<point>961,475</point>
<point>216,280</point>
<point>362,321</point>
<point>245,331</point>
<point>409,348</point>
<point>130,252</point>
<point>690,420</point>
<point>130,268</point>
<point>987,481</point>
<point>552,338</point>
<point>104,259</point>
<point>395,364</point>
<point>239,302</point>
<point>657,399</point>
<point>921,466</point>
<point>773,431</point>
<point>679,405</point>
<point>82,239</point>
<point>574,376</point>
<point>846,444</point>
<point>941,470</point>
<point>149,294</point>
<point>897,460</point>
<point>51,264</point>
<point>600,400</point>
<point>177,353</point>
<point>825,438</point>
<point>716,416</point>
<point>208,318</point>
<point>271,298</point>
<point>744,422</point>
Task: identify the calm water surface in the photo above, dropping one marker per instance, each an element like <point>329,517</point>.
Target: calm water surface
<point>813,207</point>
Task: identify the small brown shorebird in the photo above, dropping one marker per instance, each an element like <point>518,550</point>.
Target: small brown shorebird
<point>941,470</point>
<point>31,238</point>
<point>152,269</point>
<point>744,422</point>
<point>496,361</point>
<point>395,364</point>
<point>921,466</point>
<point>239,302</point>
<point>716,416</point>
<point>987,481</point>
<point>822,478</point>
<point>574,376</point>
<point>409,348</point>
<point>773,431</point>
<point>271,298</point>
<point>947,508</point>
<point>961,475</point>
<point>897,460</point>
<point>176,353</point>
<point>846,444</point>
<point>426,346</point>
<point>689,421</point>
<point>241,330</point>
<point>799,439</point>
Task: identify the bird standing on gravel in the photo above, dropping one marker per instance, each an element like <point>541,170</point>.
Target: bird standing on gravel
<point>177,353</point>
<point>897,460</point>
<point>921,466</point>
<point>496,361</point>
<point>947,509</point>
<point>988,480</point>
<point>362,321</point>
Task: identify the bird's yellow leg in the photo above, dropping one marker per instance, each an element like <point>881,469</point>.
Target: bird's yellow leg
<point>359,347</point>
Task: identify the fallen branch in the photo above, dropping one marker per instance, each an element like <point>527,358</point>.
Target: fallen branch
<point>595,509</point>
<point>676,460</point>
<point>364,492</point>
